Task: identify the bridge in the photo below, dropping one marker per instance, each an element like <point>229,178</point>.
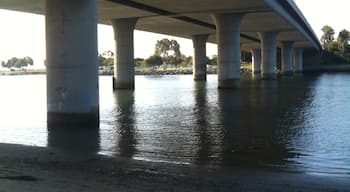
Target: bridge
<point>259,26</point>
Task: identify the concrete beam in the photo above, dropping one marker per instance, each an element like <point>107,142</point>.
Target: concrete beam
<point>229,51</point>
<point>268,54</point>
<point>288,10</point>
<point>185,18</point>
<point>287,58</point>
<point>124,72</point>
<point>72,63</point>
<point>200,57</point>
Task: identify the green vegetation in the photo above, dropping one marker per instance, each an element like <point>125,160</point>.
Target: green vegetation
<point>154,60</point>
<point>15,62</point>
<point>335,50</point>
<point>169,51</point>
<point>106,58</point>
<point>213,60</point>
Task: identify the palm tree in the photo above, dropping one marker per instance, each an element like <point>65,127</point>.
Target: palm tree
<point>343,38</point>
<point>327,37</point>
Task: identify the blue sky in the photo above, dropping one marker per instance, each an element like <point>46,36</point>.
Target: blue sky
<point>23,34</point>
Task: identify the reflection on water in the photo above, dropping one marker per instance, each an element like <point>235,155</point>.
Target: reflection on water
<point>201,124</point>
<point>297,123</point>
<point>249,118</point>
<point>125,122</point>
<point>74,139</point>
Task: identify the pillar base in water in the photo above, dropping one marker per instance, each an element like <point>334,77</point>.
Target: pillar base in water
<point>229,84</point>
<point>287,73</point>
<point>269,76</point>
<point>200,77</point>
<point>257,72</point>
<point>122,85</point>
<point>87,120</point>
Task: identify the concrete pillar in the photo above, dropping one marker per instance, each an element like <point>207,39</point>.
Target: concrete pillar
<point>72,63</point>
<point>124,72</point>
<point>256,61</point>
<point>287,58</point>
<point>268,54</point>
<point>298,60</point>
<point>200,57</point>
<point>229,53</point>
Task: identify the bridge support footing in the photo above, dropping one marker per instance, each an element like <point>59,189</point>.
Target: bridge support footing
<point>72,63</point>
<point>256,61</point>
<point>298,60</point>
<point>229,51</point>
<point>287,58</point>
<point>269,55</point>
<point>199,57</point>
<point>124,73</point>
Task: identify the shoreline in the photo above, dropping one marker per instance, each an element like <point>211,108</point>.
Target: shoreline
<point>186,71</point>
<point>327,68</point>
<point>178,71</point>
<point>27,168</point>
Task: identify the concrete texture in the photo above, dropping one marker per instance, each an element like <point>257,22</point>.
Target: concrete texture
<point>200,57</point>
<point>256,61</point>
<point>124,64</point>
<point>72,66</point>
<point>298,60</point>
<point>268,54</point>
<point>229,51</point>
<point>287,58</point>
<point>167,17</point>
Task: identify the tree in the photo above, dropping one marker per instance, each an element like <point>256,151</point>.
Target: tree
<point>327,37</point>
<point>169,50</point>
<point>106,58</point>
<point>28,61</point>
<point>18,62</point>
<point>343,39</point>
<point>335,47</point>
<point>140,62</point>
<point>162,48</point>
<point>186,61</point>
<point>213,60</point>
<point>154,60</point>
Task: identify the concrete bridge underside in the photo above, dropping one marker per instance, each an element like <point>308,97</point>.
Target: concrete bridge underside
<point>185,18</point>
<point>71,27</point>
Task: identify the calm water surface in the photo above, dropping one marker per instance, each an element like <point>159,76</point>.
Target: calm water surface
<point>299,123</point>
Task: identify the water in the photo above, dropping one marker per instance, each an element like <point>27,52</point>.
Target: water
<point>298,124</point>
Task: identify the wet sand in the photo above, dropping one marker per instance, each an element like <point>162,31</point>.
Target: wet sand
<point>24,168</point>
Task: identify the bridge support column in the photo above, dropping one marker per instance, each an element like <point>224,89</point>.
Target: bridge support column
<point>287,58</point>
<point>199,57</point>
<point>269,54</point>
<point>229,53</point>
<point>124,72</point>
<point>298,60</point>
<point>256,61</point>
<point>72,63</point>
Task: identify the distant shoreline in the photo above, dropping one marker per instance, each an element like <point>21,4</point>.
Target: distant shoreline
<point>327,68</point>
<point>174,71</point>
<point>188,71</point>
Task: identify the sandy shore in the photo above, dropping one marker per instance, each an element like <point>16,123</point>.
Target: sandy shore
<point>24,168</point>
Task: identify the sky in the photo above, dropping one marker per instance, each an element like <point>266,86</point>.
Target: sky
<point>23,34</point>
